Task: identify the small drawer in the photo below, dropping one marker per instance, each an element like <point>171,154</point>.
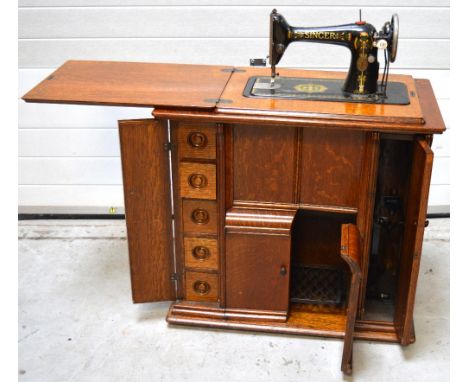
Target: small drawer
<point>200,216</point>
<point>201,253</point>
<point>201,286</point>
<point>195,141</point>
<point>197,180</point>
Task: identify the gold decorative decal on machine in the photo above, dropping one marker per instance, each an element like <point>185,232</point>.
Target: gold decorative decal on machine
<point>321,35</point>
<point>361,82</point>
<point>323,89</point>
<point>310,88</point>
<point>362,62</point>
<point>363,45</point>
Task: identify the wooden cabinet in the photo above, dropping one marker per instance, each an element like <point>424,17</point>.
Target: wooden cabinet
<point>284,216</point>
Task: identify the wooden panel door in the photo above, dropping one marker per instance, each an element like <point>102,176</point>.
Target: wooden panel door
<point>146,177</point>
<point>331,167</point>
<point>416,208</point>
<point>264,163</point>
<point>257,271</point>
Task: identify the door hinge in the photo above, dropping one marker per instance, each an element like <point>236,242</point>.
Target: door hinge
<point>174,277</point>
<point>168,146</point>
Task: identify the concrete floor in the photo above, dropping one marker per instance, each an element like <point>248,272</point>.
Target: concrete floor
<point>77,322</point>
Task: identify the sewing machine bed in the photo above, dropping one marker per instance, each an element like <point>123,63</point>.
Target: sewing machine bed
<point>320,89</point>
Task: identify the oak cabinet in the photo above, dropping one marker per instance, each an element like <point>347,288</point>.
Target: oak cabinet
<point>283,216</point>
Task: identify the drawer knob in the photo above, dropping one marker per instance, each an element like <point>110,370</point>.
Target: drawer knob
<point>201,253</point>
<point>197,140</point>
<point>200,216</point>
<point>201,287</point>
<point>283,271</point>
<point>197,181</point>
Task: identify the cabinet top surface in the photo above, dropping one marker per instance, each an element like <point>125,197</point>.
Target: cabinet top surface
<point>238,103</point>
<point>133,84</point>
<point>197,88</point>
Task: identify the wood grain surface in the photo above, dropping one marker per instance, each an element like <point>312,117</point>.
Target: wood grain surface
<point>366,205</point>
<point>132,84</point>
<point>351,253</point>
<point>316,239</point>
<point>423,87</point>
<point>410,114</point>
<point>275,221</point>
<point>210,285</point>
<point>253,271</point>
<point>264,163</point>
<point>301,321</point>
<point>197,180</point>
<point>416,208</point>
<point>190,208</point>
<point>331,167</point>
<point>196,141</point>
<point>201,252</point>
<point>145,166</point>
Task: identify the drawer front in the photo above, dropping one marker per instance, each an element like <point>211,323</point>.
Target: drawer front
<point>201,253</point>
<point>195,141</point>
<point>201,286</point>
<point>200,216</point>
<point>197,180</point>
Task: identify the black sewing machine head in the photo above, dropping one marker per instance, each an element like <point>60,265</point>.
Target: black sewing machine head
<point>361,38</point>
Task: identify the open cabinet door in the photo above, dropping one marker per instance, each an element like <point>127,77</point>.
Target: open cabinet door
<point>351,253</point>
<point>416,208</point>
<point>146,177</point>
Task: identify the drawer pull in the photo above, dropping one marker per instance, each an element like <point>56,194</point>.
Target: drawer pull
<point>283,271</point>
<point>201,253</point>
<point>197,181</point>
<point>200,216</point>
<point>201,287</point>
<point>197,140</point>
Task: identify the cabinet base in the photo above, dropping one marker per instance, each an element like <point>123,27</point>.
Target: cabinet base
<point>300,321</point>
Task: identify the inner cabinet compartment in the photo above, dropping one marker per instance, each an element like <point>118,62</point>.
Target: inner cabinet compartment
<point>320,278</point>
<point>391,199</point>
<point>402,192</point>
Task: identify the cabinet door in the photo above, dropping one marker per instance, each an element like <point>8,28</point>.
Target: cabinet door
<point>146,177</point>
<point>257,271</point>
<point>416,208</point>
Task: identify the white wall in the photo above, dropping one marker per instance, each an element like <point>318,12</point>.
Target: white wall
<point>69,155</point>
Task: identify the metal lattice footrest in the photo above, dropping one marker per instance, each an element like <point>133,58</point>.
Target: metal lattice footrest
<point>316,285</point>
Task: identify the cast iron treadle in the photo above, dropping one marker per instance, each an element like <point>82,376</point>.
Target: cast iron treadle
<point>316,285</point>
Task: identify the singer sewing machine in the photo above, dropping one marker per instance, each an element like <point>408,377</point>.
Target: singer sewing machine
<point>361,83</point>
<point>292,203</point>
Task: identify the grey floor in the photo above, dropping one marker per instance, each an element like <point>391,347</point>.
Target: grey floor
<point>77,322</point>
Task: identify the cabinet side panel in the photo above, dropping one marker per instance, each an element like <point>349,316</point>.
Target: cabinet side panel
<point>331,167</point>
<point>145,167</point>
